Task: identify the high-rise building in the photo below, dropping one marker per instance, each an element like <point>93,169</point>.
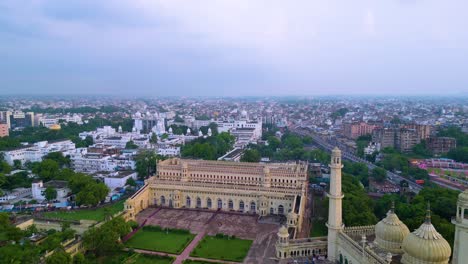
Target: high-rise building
<point>384,136</point>
<point>19,119</point>
<point>3,130</point>
<point>439,145</point>
<point>406,139</point>
<point>357,129</point>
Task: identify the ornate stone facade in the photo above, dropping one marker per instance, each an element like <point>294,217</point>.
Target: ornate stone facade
<point>256,188</point>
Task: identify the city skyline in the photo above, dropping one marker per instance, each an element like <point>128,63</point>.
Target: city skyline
<point>242,48</point>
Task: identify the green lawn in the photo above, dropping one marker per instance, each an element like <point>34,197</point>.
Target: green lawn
<point>86,214</point>
<point>318,228</point>
<point>188,261</point>
<point>147,259</point>
<point>172,242</point>
<point>214,247</point>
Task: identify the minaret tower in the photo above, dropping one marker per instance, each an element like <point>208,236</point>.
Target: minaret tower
<point>460,254</point>
<point>335,222</point>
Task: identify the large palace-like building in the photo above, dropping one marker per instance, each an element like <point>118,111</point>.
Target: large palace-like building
<point>281,189</point>
<point>257,188</point>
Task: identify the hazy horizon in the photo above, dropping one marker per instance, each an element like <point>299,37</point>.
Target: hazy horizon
<point>234,48</point>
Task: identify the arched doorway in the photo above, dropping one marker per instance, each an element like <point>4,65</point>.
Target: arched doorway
<point>220,204</point>
<point>280,209</point>
<point>208,202</point>
<point>198,202</point>
<point>163,200</point>
<point>241,206</point>
<point>187,202</point>
<point>253,207</point>
<point>231,205</point>
<point>170,203</point>
<point>272,211</point>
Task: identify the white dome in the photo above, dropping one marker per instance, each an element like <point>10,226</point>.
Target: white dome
<point>390,232</point>
<point>426,246</point>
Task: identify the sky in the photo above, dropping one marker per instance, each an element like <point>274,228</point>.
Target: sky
<point>234,47</point>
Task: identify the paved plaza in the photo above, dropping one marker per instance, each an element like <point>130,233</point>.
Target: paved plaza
<point>203,222</point>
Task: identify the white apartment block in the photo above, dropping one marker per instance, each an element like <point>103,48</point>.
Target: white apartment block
<point>49,121</point>
<point>119,179</point>
<point>94,162</point>
<point>35,152</point>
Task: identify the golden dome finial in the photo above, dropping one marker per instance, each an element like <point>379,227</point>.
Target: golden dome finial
<point>428,213</point>
<point>392,207</point>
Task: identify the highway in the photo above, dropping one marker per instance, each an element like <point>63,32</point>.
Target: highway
<point>392,177</point>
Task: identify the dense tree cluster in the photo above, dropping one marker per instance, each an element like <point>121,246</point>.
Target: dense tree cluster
<point>105,240</point>
<point>289,147</point>
<point>460,153</point>
<point>209,148</point>
<point>412,212</point>
<point>357,206</point>
<point>145,163</point>
<point>251,155</point>
<point>394,161</point>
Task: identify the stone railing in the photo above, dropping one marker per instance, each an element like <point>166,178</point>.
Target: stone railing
<point>360,230</point>
<point>356,250</point>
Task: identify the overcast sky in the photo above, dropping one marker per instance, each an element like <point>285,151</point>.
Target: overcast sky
<point>236,47</point>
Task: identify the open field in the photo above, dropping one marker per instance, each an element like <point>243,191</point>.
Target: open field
<point>97,214</point>
<point>318,228</point>
<point>146,259</point>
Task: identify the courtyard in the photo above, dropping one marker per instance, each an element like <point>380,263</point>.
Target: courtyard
<point>259,237</point>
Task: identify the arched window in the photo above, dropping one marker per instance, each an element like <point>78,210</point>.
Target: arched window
<point>220,204</point>
<point>253,207</point>
<point>231,205</point>
<point>208,202</point>
<point>187,202</point>
<point>280,209</point>
<point>341,259</point>
<point>272,211</point>
<point>198,202</point>
<point>241,205</point>
<point>163,200</point>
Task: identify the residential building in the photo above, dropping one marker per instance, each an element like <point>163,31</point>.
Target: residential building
<point>38,189</point>
<point>35,152</point>
<point>406,139</point>
<point>384,136</point>
<point>439,145</point>
<point>119,179</point>
<point>357,129</point>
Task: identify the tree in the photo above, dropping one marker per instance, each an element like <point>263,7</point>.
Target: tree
<point>79,258</point>
<point>131,145</point>
<point>59,257</point>
<point>273,142</point>
<point>459,154</point>
<point>379,174</point>
<point>104,240</point>
<point>251,155</point>
<point>17,164</point>
<point>47,169</point>
<point>145,163</point>
<point>154,139</point>
<point>59,158</point>
<point>5,167</point>
<point>78,181</point>
<point>92,194</point>
<point>131,182</point>
<point>50,194</point>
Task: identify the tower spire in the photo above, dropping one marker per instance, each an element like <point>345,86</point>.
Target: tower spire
<point>392,207</point>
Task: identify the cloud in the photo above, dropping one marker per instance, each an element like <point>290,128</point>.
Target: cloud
<point>233,46</point>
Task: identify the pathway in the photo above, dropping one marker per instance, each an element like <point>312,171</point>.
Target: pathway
<point>186,253</point>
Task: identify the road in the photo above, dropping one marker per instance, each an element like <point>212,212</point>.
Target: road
<point>392,177</point>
